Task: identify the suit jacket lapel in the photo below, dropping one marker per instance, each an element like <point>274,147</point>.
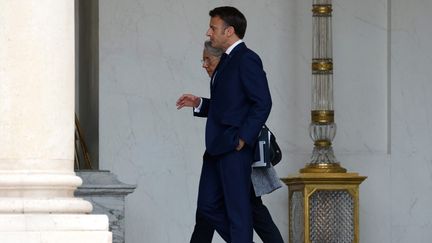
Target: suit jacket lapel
<point>223,63</point>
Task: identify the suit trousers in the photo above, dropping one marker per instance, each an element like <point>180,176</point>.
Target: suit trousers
<point>262,223</point>
<point>224,194</point>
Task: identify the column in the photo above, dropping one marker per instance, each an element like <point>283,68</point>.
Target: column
<point>37,180</point>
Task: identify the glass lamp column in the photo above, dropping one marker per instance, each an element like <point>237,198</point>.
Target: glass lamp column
<point>323,197</point>
<point>322,129</point>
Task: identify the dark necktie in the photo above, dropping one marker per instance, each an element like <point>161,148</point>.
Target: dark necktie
<point>223,58</point>
<point>221,61</point>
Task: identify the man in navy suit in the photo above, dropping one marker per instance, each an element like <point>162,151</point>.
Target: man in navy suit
<point>262,221</point>
<point>238,107</point>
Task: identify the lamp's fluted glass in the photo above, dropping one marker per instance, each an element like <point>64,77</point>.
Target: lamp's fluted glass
<point>322,129</point>
<point>322,62</point>
<point>322,92</point>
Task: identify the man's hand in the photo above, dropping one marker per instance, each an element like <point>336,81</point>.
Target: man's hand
<point>188,100</point>
<point>240,145</point>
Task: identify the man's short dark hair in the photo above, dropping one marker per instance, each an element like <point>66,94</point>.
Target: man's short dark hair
<point>232,17</point>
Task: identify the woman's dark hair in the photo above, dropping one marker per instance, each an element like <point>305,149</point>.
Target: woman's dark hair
<point>232,17</point>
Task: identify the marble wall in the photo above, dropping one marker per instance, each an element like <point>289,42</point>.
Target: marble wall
<point>150,54</point>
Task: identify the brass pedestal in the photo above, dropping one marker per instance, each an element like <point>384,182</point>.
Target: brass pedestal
<point>323,207</point>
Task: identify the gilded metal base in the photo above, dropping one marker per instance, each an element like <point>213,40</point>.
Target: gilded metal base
<point>323,168</point>
<point>321,204</point>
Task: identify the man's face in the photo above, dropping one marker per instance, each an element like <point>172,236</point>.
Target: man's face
<point>209,62</point>
<point>217,33</point>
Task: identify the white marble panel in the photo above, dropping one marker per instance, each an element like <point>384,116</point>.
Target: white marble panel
<point>149,55</point>
<point>360,75</point>
<point>411,59</point>
<point>411,80</point>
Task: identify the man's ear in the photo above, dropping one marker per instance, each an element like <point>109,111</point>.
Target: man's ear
<point>230,31</point>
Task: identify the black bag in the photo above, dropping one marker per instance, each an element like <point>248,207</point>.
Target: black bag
<point>266,149</point>
<point>275,151</point>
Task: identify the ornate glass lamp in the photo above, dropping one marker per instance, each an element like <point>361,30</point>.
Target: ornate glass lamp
<point>323,197</point>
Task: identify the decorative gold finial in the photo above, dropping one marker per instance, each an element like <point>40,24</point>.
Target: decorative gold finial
<point>324,10</point>
<point>322,116</point>
<point>322,65</point>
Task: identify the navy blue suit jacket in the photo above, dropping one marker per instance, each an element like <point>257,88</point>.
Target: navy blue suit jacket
<point>239,103</point>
